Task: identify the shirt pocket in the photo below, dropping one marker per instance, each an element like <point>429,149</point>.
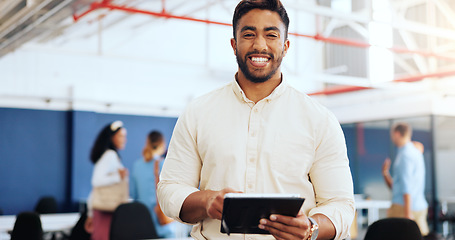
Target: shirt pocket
<point>292,155</point>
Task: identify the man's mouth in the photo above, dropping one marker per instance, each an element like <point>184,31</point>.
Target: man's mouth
<point>259,61</point>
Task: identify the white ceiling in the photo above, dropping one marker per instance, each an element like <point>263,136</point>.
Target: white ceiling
<point>114,58</point>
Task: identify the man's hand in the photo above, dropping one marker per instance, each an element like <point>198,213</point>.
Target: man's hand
<point>386,173</point>
<point>202,204</point>
<point>386,167</point>
<point>408,206</point>
<point>284,227</point>
<point>215,203</point>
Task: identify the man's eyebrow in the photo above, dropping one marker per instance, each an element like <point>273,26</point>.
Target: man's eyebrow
<point>273,28</point>
<point>245,28</point>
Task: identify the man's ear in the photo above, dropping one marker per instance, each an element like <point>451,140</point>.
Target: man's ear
<point>286,46</point>
<point>234,45</point>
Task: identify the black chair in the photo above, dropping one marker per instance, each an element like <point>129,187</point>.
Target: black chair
<point>132,221</point>
<point>46,204</point>
<point>27,227</point>
<point>393,229</point>
<point>78,232</point>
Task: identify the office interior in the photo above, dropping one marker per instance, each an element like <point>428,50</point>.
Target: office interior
<point>68,67</point>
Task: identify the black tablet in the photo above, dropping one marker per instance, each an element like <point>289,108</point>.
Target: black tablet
<point>242,212</point>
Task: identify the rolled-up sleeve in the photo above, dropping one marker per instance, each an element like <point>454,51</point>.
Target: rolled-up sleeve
<point>332,180</point>
<point>181,170</point>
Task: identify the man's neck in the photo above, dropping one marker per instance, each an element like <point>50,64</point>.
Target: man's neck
<point>402,142</point>
<point>257,91</point>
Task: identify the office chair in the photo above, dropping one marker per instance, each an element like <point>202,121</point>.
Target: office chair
<point>393,229</point>
<point>78,232</point>
<point>27,227</point>
<point>46,204</point>
<point>132,221</point>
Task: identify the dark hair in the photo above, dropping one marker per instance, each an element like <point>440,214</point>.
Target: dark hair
<point>104,140</point>
<point>403,128</point>
<point>247,5</point>
<point>155,138</point>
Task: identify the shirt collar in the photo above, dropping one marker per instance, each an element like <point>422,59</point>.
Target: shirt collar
<point>406,146</point>
<point>240,94</point>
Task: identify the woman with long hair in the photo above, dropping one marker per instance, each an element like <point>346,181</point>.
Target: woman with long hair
<point>108,170</point>
<point>145,176</point>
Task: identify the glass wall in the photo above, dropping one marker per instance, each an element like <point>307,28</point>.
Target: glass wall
<point>444,155</point>
<point>369,144</point>
<point>444,144</point>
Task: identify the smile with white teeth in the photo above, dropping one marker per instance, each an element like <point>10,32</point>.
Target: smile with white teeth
<point>259,59</point>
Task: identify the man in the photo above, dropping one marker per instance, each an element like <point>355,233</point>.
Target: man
<point>258,135</point>
<point>408,181</point>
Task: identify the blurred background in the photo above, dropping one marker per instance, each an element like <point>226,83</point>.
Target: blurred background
<point>68,67</point>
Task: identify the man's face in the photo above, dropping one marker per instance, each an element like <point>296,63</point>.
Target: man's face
<point>395,136</point>
<point>260,45</point>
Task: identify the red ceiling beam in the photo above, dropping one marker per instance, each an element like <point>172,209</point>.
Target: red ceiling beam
<point>339,89</point>
<point>334,90</point>
<point>108,5</point>
<point>345,89</point>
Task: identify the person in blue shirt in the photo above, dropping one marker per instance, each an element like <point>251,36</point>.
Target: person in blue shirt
<point>408,179</point>
<point>145,176</point>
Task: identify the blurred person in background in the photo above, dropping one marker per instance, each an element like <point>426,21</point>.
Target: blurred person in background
<point>408,180</point>
<point>108,170</point>
<point>145,176</point>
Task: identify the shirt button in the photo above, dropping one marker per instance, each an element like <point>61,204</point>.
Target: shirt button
<point>252,160</point>
<point>256,110</point>
<point>253,134</point>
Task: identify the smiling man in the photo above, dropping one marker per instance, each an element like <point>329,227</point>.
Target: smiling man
<point>259,135</point>
<point>259,51</point>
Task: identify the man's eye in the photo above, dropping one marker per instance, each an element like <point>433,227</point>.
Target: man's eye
<point>248,35</point>
<point>272,35</point>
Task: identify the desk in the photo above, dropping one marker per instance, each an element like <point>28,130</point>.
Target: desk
<point>373,207</point>
<point>50,222</point>
<point>445,209</point>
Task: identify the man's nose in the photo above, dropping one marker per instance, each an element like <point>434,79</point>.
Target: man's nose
<point>260,44</point>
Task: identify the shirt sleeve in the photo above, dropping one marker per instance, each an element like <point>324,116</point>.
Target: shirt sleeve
<point>181,169</point>
<point>105,171</point>
<point>403,173</point>
<point>331,178</point>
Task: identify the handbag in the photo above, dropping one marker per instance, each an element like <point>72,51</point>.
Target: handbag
<point>108,198</point>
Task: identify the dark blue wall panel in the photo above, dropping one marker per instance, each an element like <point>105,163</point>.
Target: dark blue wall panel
<point>350,136</point>
<point>47,153</point>
<point>33,148</point>
<point>84,133</point>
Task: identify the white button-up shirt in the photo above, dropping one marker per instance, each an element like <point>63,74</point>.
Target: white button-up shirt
<point>285,143</point>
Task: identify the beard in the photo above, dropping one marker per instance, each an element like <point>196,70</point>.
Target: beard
<point>258,78</point>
